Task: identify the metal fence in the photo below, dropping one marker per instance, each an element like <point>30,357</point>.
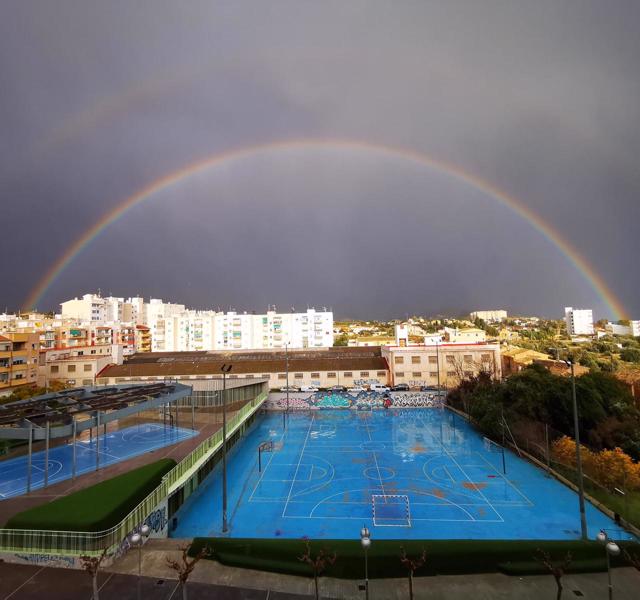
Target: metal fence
<point>90,543</point>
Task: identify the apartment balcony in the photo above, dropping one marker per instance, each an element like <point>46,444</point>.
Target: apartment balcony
<point>6,354</point>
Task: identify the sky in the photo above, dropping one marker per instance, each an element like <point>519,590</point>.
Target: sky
<point>98,100</point>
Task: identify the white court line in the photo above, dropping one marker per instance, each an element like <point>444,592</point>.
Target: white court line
<point>24,583</point>
<point>467,476</point>
<point>298,467</point>
<point>503,477</point>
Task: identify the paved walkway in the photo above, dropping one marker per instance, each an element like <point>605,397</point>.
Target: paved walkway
<point>487,586</point>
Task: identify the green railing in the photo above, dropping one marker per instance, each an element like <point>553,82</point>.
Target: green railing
<point>77,543</point>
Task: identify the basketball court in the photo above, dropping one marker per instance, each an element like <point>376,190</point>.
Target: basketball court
<point>113,447</point>
<point>406,474</point>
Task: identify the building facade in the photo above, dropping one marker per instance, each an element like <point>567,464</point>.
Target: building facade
<point>18,361</point>
<point>578,321</point>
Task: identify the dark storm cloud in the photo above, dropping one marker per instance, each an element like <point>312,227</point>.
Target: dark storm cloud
<point>99,99</point>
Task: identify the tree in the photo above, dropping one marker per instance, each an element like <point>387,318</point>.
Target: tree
<point>412,565</point>
<point>556,569</point>
<point>341,340</point>
<point>185,567</point>
<point>92,564</point>
<point>318,563</point>
<point>630,355</point>
<point>632,559</point>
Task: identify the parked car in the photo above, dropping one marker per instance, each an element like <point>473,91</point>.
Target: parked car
<point>308,388</point>
<point>378,387</point>
<point>337,388</point>
<point>291,388</point>
<point>429,388</point>
<point>400,387</point>
<point>356,388</point>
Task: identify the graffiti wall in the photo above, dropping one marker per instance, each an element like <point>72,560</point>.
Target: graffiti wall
<point>355,401</point>
<point>43,560</point>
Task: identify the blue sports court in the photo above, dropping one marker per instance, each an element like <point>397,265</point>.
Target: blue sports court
<point>406,474</point>
<point>113,447</point>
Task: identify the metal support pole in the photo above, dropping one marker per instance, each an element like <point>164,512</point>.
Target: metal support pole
<point>225,370</point>
<point>609,574</point>
<point>193,415</point>
<point>177,413</point>
<point>547,448</point>
<point>46,454</point>
<point>286,359</point>
<point>97,440</point>
<point>30,453</point>
<point>73,461</point>
<point>366,574</point>
<point>139,567</point>
<point>583,518</point>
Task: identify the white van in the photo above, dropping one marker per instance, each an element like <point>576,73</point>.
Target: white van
<point>378,387</point>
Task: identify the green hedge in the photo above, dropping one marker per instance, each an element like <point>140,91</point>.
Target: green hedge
<point>444,557</point>
<point>98,507</point>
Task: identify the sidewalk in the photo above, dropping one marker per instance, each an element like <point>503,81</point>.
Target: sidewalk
<point>487,586</point>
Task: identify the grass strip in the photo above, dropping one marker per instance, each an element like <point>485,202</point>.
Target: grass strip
<point>444,557</point>
<point>98,507</point>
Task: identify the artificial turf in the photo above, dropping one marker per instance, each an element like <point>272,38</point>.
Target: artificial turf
<point>98,507</point>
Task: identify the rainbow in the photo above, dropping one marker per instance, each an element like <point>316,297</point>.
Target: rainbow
<point>223,158</point>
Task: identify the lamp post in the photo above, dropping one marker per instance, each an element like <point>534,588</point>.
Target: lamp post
<point>286,360</point>
<point>365,540</point>
<point>576,427</point>
<point>137,539</point>
<point>225,369</point>
<point>611,549</point>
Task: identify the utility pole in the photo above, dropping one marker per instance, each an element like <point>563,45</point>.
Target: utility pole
<point>225,369</point>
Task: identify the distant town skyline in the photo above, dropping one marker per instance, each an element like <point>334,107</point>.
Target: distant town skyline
<point>381,159</point>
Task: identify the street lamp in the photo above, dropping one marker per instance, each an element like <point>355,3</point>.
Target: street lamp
<point>225,369</point>
<point>576,427</point>
<point>286,359</point>
<point>365,540</point>
<point>611,549</point>
<point>137,539</point>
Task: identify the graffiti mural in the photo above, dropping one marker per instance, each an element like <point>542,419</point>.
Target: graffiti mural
<point>364,400</point>
<point>44,560</point>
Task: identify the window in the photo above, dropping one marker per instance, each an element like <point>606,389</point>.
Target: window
<point>282,375</point>
<point>331,375</point>
<point>364,373</point>
<point>315,375</point>
<point>399,360</point>
<point>399,374</point>
<point>71,368</point>
<point>433,373</point>
<point>381,374</point>
<point>468,358</point>
<point>415,360</point>
<point>87,368</point>
<point>55,368</point>
<point>298,376</point>
<point>87,382</point>
<point>451,359</point>
<point>451,373</point>
<point>433,360</point>
<point>348,374</point>
<point>248,376</point>
<point>267,375</point>
<point>486,358</point>
<point>468,374</point>
<point>416,374</point>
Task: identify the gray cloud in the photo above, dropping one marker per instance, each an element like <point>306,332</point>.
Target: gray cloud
<point>540,99</point>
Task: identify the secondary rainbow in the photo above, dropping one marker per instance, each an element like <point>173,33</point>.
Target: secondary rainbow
<point>178,176</point>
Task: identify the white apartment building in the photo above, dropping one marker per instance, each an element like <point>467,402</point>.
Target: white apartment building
<point>632,329</point>
<point>578,321</point>
<point>312,329</point>
<point>489,316</point>
<point>90,307</point>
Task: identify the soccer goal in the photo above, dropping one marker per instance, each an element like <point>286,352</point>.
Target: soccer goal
<point>390,510</point>
<point>263,447</point>
<point>492,447</point>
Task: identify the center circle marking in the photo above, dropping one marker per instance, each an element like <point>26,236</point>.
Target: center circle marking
<point>383,473</point>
